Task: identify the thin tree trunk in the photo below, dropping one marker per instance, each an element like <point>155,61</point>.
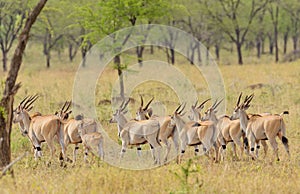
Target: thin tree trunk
<point>48,57</point>
<point>117,61</point>
<point>295,42</point>
<point>285,41</point>
<point>172,51</point>
<point>271,44</point>
<point>139,53</point>
<point>199,53</point>
<point>263,45</point>
<point>83,54</point>
<point>151,49</point>
<point>258,47</point>
<point>168,55</point>
<point>217,51</point>
<point>192,54</point>
<point>4,60</point>
<point>239,51</point>
<point>6,103</point>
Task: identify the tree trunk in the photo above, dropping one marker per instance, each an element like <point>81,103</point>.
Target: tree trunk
<point>285,41</point>
<point>6,103</point>
<point>258,47</point>
<point>217,51</point>
<point>151,49</point>
<point>4,60</point>
<point>83,54</point>
<point>46,45</point>
<point>276,33</point>
<point>295,42</point>
<point>239,51</point>
<point>139,53</point>
<point>168,55</point>
<point>172,52</point>
<point>199,53</point>
<point>48,57</point>
<point>192,54</point>
<point>117,61</point>
<point>271,44</point>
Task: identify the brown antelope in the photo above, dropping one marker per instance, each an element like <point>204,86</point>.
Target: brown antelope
<point>193,133</point>
<point>195,112</point>
<point>137,132</point>
<point>39,128</point>
<point>92,141</point>
<point>71,133</point>
<point>166,130</point>
<point>259,127</point>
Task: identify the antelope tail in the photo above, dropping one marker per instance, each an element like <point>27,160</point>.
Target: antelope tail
<point>61,133</point>
<point>157,136</point>
<point>284,113</point>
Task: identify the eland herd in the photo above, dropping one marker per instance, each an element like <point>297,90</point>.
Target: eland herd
<point>243,130</point>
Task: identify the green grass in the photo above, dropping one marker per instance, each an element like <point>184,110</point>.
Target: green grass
<point>280,91</point>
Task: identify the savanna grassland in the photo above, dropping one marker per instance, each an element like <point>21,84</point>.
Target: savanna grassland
<point>276,88</point>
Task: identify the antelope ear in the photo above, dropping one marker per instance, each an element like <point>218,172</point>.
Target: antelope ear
<point>150,112</point>
<point>246,107</point>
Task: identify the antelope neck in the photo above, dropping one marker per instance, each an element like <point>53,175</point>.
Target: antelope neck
<point>121,121</point>
<point>244,120</point>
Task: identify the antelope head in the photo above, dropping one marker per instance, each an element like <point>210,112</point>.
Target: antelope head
<point>195,114</point>
<point>119,112</point>
<point>64,112</point>
<point>239,108</point>
<point>210,113</point>
<point>118,116</point>
<point>177,113</point>
<point>144,113</point>
<point>21,115</point>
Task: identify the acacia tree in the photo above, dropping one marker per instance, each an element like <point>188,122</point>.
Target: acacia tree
<point>273,9</point>
<point>6,103</point>
<point>103,18</point>
<point>12,14</point>
<point>292,9</point>
<point>234,18</point>
<point>49,29</point>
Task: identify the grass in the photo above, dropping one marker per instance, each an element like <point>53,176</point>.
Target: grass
<point>279,91</point>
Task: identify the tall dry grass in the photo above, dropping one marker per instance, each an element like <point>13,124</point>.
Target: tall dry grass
<point>280,84</point>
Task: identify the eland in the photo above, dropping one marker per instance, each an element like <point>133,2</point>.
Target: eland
<point>258,127</point>
<point>137,132</point>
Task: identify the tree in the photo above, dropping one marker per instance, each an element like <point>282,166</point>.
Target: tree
<point>234,18</point>
<point>292,9</point>
<point>103,18</point>
<point>6,103</point>
<point>49,29</point>
<point>274,12</point>
<point>12,14</point>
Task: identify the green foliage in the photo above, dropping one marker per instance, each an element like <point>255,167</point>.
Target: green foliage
<point>185,175</point>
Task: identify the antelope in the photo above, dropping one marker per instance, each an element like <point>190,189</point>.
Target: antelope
<point>166,130</point>
<point>92,141</point>
<point>259,127</point>
<point>195,112</point>
<point>193,133</point>
<point>71,133</point>
<point>137,132</point>
<point>39,128</point>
